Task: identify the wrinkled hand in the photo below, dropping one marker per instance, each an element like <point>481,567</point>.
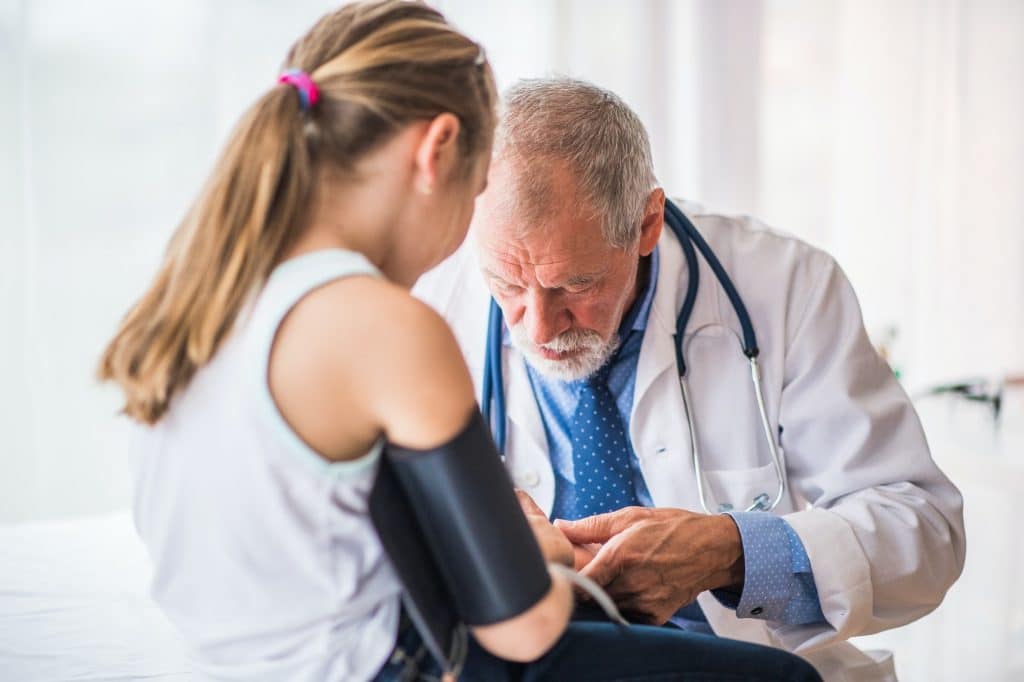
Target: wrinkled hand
<point>584,554</point>
<point>553,544</point>
<point>654,561</point>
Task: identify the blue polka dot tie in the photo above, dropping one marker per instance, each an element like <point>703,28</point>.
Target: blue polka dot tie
<point>600,451</point>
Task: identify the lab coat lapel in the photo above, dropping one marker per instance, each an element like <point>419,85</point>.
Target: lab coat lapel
<point>526,447</point>
<point>658,428</point>
<point>657,353</point>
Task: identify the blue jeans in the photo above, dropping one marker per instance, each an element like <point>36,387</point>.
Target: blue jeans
<point>596,651</point>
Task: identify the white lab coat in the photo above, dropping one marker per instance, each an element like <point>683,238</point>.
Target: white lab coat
<point>881,524</point>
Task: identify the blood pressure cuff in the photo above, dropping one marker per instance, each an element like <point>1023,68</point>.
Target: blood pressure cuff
<point>472,533</point>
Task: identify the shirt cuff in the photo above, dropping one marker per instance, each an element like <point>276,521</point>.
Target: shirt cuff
<point>778,583</point>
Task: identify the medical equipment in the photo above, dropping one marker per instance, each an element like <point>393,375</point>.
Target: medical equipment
<point>493,398</point>
<point>451,525</point>
<point>979,390</point>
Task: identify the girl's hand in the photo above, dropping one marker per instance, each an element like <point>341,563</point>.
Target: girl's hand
<point>553,544</point>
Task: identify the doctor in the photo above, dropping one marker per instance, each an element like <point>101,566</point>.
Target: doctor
<point>836,520</point>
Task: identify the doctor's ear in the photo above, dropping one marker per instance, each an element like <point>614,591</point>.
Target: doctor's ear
<point>653,221</point>
<point>437,152</point>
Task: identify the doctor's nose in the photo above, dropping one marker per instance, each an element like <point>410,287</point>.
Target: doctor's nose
<point>545,319</point>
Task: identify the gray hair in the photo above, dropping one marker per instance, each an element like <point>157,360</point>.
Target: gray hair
<point>592,130</point>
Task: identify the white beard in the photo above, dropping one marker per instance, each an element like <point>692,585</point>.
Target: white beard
<point>593,352</point>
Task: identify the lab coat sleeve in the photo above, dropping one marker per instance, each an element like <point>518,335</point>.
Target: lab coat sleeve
<point>884,532</point>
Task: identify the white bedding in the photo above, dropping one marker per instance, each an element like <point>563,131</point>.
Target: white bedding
<point>74,605</point>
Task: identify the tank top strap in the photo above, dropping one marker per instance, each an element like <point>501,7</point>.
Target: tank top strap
<point>288,284</point>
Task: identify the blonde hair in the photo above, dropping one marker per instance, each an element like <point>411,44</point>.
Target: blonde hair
<point>378,66</point>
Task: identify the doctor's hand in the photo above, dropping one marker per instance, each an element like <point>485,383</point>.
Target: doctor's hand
<point>553,544</point>
<point>654,561</point>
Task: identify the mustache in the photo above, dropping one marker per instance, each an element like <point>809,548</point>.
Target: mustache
<point>574,340</point>
<point>570,340</point>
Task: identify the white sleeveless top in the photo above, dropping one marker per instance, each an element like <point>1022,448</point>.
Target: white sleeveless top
<point>264,555</point>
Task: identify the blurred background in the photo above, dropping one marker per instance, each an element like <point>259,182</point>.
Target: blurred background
<point>887,132</point>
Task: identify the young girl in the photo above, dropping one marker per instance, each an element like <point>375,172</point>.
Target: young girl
<point>278,347</point>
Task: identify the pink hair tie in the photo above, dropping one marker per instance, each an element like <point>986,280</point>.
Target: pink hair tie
<point>303,84</point>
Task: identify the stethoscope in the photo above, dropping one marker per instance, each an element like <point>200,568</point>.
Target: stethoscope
<point>493,393</point>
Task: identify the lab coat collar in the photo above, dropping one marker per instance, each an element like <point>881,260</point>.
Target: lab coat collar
<point>673,276</point>
<point>657,354</point>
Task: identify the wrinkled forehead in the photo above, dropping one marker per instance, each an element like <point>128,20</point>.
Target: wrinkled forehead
<point>548,247</point>
<point>537,262</point>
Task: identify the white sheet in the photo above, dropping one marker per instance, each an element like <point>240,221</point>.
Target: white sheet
<point>74,605</point>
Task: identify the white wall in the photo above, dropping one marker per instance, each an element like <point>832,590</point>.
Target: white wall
<point>115,111</point>
<point>886,132</point>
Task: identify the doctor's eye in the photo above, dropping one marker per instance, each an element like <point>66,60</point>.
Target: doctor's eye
<point>505,288</point>
<point>579,288</point>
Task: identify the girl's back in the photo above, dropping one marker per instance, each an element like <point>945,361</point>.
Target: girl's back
<point>265,557</point>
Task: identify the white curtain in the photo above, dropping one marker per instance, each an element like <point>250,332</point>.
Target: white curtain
<point>886,132</point>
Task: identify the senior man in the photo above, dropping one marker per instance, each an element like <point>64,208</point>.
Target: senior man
<point>570,241</point>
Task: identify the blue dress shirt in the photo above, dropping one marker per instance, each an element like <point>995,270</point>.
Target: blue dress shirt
<point>779,584</point>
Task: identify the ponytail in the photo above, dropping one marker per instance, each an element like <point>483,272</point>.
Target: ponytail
<point>221,253</point>
<point>373,67</point>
